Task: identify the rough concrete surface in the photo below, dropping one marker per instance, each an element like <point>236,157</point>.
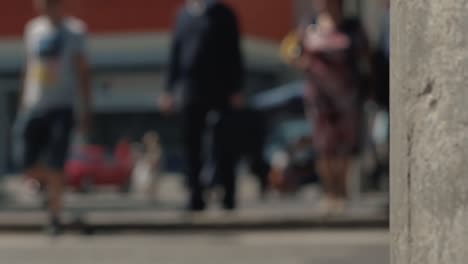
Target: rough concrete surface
<point>429,91</point>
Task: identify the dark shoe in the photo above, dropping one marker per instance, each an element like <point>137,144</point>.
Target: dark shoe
<point>196,206</point>
<point>54,228</point>
<point>229,205</point>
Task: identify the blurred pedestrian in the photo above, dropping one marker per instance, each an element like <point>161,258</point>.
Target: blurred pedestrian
<point>253,131</point>
<point>334,53</point>
<point>206,74</point>
<point>382,60</point>
<point>381,124</point>
<point>148,166</point>
<point>56,70</point>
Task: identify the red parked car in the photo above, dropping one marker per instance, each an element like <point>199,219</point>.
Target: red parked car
<point>91,166</point>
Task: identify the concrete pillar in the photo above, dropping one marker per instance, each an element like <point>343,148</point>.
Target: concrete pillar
<point>429,141</point>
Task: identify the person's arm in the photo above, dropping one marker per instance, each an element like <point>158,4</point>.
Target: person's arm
<point>85,93</point>
<point>83,74</point>
<point>325,57</point>
<point>23,87</point>
<point>174,63</point>
<point>365,65</point>
<point>234,37</point>
<point>26,68</point>
<point>235,61</point>
<point>166,102</point>
<point>174,56</point>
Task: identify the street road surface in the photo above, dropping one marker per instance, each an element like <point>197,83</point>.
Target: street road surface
<point>301,247</point>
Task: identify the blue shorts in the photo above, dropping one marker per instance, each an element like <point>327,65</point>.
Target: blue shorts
<point>44,138</point>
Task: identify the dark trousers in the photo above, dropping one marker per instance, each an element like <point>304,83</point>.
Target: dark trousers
<point>253,144</point>
<point>225,150</point>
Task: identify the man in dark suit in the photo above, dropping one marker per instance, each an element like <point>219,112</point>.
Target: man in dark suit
<point>205,74</point>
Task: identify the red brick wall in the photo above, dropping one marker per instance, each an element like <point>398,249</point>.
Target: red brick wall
<point>269,19</point>
<point>265,18</point>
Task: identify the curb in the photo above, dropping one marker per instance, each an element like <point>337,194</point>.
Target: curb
<point>191,223</point>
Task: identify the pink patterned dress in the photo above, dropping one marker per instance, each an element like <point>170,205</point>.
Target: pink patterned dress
<point>333,95</point>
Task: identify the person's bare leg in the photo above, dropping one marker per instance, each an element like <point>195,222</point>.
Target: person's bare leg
<point>55,193</point>
<point>334,168</point>
<point>326,176</point>
<point>322,167</point>
<point>340,171</point>
<point>153,187</point>
<point>37,173</point>
<point>342,168</point>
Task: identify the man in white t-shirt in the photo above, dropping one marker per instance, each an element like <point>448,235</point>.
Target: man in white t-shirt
<point>57,73</point>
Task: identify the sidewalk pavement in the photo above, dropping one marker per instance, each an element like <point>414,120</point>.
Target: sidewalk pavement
<point>109,210</point>
<point>259,247</point>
